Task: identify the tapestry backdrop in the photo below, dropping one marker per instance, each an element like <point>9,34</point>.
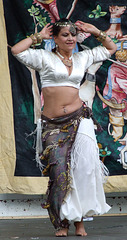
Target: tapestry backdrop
<point>20,89</point>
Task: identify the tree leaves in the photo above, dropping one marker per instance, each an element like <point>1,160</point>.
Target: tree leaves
<point>96,13</point>
<point>37,17</point>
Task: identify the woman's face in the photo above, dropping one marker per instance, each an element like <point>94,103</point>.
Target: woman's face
<point>66,39</point>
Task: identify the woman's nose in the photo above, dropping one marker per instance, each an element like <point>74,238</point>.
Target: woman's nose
<point>70,37</point>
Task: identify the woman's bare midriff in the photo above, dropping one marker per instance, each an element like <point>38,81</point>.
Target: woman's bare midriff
<point>60,101</point>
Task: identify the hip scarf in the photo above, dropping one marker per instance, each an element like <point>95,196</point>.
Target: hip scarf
<point>58,135</point>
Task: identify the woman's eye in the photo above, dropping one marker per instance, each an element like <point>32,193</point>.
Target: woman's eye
<point>65,35</point>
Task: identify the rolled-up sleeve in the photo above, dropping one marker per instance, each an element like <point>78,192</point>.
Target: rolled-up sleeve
<point>100,53</point>
<point>90,56</point>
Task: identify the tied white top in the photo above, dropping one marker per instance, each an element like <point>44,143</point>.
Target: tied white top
<point>53,72</point>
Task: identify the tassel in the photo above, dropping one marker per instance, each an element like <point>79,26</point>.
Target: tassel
<point>39,147</point>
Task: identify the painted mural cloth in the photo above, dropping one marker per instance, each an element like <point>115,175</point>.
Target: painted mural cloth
<point>18,84</point>
<point>60,153</point>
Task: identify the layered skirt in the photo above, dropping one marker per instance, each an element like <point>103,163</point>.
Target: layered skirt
<point>71,160</point>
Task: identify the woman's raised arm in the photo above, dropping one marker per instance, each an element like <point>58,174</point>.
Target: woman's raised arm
<point>45,33</point>
<point>100,35</point>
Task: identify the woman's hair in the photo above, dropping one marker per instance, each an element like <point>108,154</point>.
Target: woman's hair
<point>63,22</point>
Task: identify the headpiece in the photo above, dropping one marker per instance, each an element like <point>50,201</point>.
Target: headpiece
<point>72,29</point>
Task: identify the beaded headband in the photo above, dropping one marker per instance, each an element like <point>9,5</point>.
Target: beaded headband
<point>65,24</point>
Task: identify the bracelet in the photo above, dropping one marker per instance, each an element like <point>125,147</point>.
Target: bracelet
<point>36,38</point>
<point>39,38</point>
<point>102,36</point>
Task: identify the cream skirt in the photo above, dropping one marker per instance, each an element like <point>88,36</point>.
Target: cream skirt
<point>86,197</point>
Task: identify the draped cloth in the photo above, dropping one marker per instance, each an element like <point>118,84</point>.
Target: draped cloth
<point>58,136</point>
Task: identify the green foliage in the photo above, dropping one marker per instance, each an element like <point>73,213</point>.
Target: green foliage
<point>33,11</point>
<point>97,13</point>
<point>37,17</point>
<point>103,152</point>
<point>41,20</point>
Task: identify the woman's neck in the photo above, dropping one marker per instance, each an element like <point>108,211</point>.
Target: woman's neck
<point>64,54</point>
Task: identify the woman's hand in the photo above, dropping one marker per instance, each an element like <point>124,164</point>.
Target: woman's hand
<point>87,28</point>
<point>123,38</point>
<point>46,32</point>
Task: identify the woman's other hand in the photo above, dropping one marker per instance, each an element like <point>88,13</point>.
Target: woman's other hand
<point>87,28</point>
<point>46,32</point>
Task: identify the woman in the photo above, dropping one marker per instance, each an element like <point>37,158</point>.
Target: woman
<point>70,154</point>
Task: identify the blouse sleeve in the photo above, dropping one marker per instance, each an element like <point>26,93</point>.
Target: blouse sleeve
<point>97,54</point>
<point>32,58</point>
<point>100,53</point>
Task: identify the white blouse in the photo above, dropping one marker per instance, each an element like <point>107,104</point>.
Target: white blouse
<point>53,72</point>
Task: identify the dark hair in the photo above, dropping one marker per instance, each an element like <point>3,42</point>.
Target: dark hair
<point>57,27</point>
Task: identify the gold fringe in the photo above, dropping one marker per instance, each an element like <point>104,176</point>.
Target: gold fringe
<point>46,206</point>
